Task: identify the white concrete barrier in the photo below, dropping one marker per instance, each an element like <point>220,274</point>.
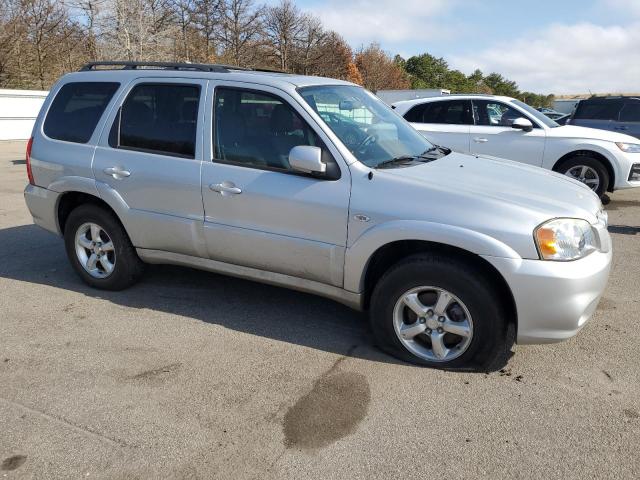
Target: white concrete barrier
<point>18,112</point>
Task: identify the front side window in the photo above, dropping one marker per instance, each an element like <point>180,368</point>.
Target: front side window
<point>258,130</point>
<point>371,131</point>
<point>630,112</point>
<point>159,118</point>
<point>494,114</point>
<point>76,110</point>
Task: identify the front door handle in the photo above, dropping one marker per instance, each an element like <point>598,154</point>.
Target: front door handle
<point>117,172</point>
<point>480,139</point>
<point>621,127</point>
<point>225,188</point>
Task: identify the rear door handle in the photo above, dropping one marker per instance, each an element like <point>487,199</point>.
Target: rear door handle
<point>225,188</point>
<point>117,172</point>
<point>480,139</point>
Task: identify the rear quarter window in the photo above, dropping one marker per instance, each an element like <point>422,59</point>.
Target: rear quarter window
<point>76,110</point>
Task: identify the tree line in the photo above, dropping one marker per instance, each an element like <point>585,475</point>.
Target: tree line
<point>43,39</point>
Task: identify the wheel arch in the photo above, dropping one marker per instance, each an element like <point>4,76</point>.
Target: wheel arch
<point>72,199</point>
<point>593,154</point>
<point>389,254</point>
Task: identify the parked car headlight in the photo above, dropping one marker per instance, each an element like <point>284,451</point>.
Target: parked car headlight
<point>629,147</point>
<point>564,239</point>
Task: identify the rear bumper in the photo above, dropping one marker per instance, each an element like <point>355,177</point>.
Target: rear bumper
<point>42,204</point>
<point>554,300</point>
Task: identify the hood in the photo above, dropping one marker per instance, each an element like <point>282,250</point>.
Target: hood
<point>573,131</point>
<point>500,198</point>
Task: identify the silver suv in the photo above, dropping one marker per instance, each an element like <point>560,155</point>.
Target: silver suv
<point>316,185</point>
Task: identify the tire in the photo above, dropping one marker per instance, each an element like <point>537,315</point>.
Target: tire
<point>491,335</point>
<point>126,265</point>
<point>593,165</point>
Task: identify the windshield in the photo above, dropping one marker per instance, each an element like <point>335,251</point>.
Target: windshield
<point>371,131</point>
<point>541,117</point>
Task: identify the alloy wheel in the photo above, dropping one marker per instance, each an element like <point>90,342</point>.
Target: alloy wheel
<point>586,175</point>
<point>433,324</point>
<point>95,250</point>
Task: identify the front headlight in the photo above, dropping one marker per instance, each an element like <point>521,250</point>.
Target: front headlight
<point>629,147</point>
<point>564,239</point>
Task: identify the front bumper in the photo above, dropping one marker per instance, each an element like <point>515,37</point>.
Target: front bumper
<point>554,300</point>
<point>42,204</point>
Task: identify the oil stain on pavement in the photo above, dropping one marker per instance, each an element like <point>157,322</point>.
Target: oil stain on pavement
<point>13,463</point>
<point>333,408</point>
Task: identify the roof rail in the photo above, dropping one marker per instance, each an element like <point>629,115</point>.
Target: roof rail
<point>133,65</point>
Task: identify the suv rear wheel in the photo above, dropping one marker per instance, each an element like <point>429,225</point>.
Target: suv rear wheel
<point>440,312</point>
<point>99,249</point>
<point>587,170</point>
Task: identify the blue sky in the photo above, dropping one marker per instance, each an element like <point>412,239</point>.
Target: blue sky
<point>561,46</point>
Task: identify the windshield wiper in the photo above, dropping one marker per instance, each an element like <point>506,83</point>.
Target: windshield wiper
<point>400,159</point>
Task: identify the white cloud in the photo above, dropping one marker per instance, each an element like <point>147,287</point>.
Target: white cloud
<point>566,59</point>
<point>363,21</point>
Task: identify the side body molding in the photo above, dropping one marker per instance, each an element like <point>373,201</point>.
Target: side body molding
<point>359,253</point>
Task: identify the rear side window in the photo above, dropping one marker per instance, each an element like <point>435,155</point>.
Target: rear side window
<point>76,110</point>
<point>452,112</point>
<point>159,118</point>
<point>598,110</point>
<point>630,112</point>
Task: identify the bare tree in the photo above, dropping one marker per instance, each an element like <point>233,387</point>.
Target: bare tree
<point>283,27</point>
<point>91,11</point>
<point>43,20</point>
<point>206,16</point>
<point>240,30</point>
<point>183,14</point>
<point>310,38</point>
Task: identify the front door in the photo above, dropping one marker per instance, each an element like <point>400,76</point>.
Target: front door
<point>493,135</point>
<point>149,156</point>
<point>259,212</point>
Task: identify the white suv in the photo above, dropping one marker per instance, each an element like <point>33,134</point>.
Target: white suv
<point>508,128</point>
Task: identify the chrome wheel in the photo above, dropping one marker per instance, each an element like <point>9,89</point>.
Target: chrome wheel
<point>95,250</point>
<point>586,175</point>
<point>433,324</point>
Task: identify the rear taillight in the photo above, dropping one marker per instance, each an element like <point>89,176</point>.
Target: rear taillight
<point>28,159</point>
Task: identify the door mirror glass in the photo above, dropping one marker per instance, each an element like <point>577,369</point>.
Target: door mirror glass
<point>522,123</point>
<point>307,159</point>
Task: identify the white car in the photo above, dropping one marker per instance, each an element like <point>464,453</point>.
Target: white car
<point>508,128</point>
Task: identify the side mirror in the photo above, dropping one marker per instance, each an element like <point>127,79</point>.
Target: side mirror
<point>522,124</point>
<point>307,159</point>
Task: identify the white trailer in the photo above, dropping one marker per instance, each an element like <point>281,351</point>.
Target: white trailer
<point>18,112</point>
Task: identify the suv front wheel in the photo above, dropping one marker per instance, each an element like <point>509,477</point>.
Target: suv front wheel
<point>99,249</point>
<point>587,170</point>
<point>440,312</point>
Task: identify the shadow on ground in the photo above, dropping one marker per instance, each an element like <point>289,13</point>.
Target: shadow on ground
<point>241,305</point>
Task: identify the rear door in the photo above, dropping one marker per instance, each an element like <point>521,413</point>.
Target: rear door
<point>149,156</point>
<point>629,120</point>
<point>443,122</point>
<point>493,135</point>
<point>260,213</point>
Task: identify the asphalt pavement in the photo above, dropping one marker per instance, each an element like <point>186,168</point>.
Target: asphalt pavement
<point>195,375</point>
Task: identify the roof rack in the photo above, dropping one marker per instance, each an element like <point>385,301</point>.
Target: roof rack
<point>129,65</point>
<point>201,67</point>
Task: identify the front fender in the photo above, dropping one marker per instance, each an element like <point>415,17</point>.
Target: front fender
<point>554,155</point>
<point>359,253</point>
